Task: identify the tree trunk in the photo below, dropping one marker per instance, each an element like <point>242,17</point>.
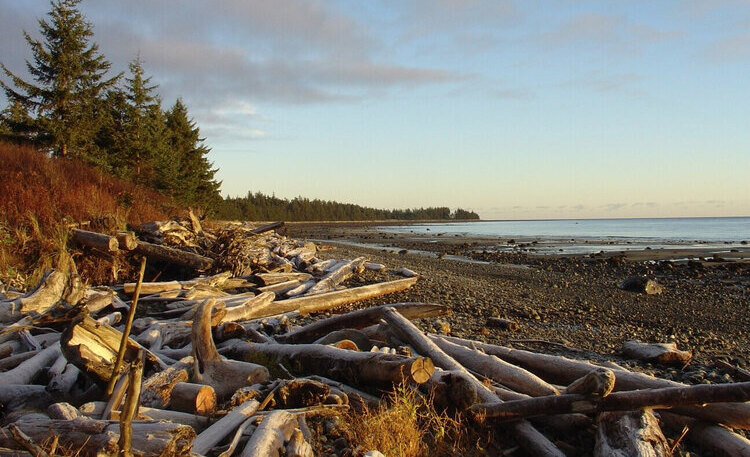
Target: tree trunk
<point>95,240</point>
<point>528,437</point>
<point>359,319</point>
<point>298,446</point>
<point>337,276</point>
<point>247,310</point>
<point>174,256</point>
<point>630,434</point>
<point>193,398</point>
<point>223,427</point>
<point>561,370</point>
<point>47,294</point>
<point>267,228</point>
<point>28,370</point>
<point>269,437</point>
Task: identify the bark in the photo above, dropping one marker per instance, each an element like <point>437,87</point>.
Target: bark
<point>561,370</point>
<point>174,256</point>
<point>269,437</point>
<point>130,407</point>
<point>664,353</point>
<point>95,240</point>
<point>619,401</point>
<point>528,437</point>
<point>634,433</point>
<point>223,427</point>
<point>358,320</point>
<point>504,324</point>
<point>226,376</point>
<point>157,389</point>
<point>369,369</point>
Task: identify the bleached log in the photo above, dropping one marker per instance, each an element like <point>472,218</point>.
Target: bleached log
<point>226,376</point>
<point>374,266</point>
<point>98,298</point>
<point>529,438</point>
<point>25,396</point>
<point>336,277</point>
<point>298,446</point>
<point>634,433</point>
<point>248,309</point>
<point>359,319</point>
<point>269,437</point>
<point>174,256</point>
<point>496,369</point>
<point>268,279</point>
<point>406,273</point>
<point>267,228</point>
<point>354,368</point>
<point>664,353</point>
<point>303,287</point>
<point>561,370</point>
<point>25,372</point>
<point>62,410</point>
<point>64,381</point>
<point>95,240</point>
<point>47,294</point>
<point>597,383</point>
<point>282,288</point>
<point>713,439</point>
<point>13,361</point>
<point>199,423</point>
<point>504,324</point>
<point>223,427</point>
<point>148,288</point>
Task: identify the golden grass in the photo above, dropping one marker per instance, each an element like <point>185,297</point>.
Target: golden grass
<point>410,426</point>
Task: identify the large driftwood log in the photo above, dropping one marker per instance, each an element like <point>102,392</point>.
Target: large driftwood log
<point>533,441</point>
<point>337,276</point>
<point>561,370</point>
<point>99,438</point>
<point>247,309</point>
<point>715,440</point>
<point>223,427</point>
<point>92,347</point>
<point>48,293</point>
<point>157,389</point>
<point>298,446</point>
<point>354,368</point>
<point>269,279</point>
<point>359,319</point>
<point>95,240</point>
<point>26,396</point>
<point>267,227</point>
<point>663,398</point>
<point>496,369</point>
<point>174,256</point>
<point>95,409</point>
<point>225,376</point>
<point>634,433</point>
<point>665,353</point>
<point>269,437</point>
<point>193,398</point>
<point>31,368</point>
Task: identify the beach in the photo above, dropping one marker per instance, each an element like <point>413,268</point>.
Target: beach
<point>570,303</point>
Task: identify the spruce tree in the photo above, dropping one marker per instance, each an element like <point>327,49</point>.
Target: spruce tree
<point>185,172</point>
<point>68,73</point>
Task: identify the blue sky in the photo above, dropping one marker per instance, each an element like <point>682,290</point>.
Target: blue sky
<point>513,109</point>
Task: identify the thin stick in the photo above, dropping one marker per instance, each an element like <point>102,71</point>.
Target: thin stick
<point>126,331</point>
<point>24,440</point>
<point>118,393</point>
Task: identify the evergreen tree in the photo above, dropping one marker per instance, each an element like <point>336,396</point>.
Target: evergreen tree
<point>69,78</point>
<point>184,171</point>
<point>16,125</point>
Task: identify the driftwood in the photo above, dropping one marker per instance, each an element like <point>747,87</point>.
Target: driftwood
<point>95,240</point>
<point>354,368</point>
<point>99,438</point>
<point>193,398</point>
<point>223,427</point>
<point>269,279</point>
<point>127,240</point>
<point>225,376</point>
<point>298,446</point>
<point>562,370</point>
<point>664,353</point>
<point>267,228</point>
<point>667,397</point>
<point>533,441</point>
<point>249,308</point>
<point>47,294</point>
<point>26,442</point>
<point>26,371</point>
<point>337,276</point>
<point>8,363</point>
<point>199,423</point>
<point>634,433</point>
<point>504,324</point>
<point>173,256</point>
<point>714,439</point>
<point>269,437</point>
<point>597,383</point>
<point>130,407</point>
<point>25,396</point>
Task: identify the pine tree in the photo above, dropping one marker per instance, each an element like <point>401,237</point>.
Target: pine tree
<point>184,171</point>
<point>69,79</point>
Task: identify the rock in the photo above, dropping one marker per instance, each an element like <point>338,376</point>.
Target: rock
<point>640,284</point>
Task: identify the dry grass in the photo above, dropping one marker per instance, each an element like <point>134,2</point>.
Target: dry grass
<point>409,426</point>
<point>40,196</point>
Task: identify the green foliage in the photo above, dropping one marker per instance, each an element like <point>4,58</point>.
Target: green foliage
<point>260,207</point>
<point>63,102</point>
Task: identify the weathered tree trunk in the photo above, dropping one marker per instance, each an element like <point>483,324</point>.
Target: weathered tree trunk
<point>630,434</point>
<point>99,438</point>
<point>48,293</point>
<point>561,370</point>
<point>26,396</point>
<point>8,363</point>
<point>193,398</point>
<point>267,228</point>
<point>667,397</point>
<point>157,389</point>
<point>95,240</point>
<point>298,446</point>
<point>337,276</point>
<point>269,437</point>
<point>225,376</point>
<point>25,372</point>
<point>223,427</point>
<point>529,438</point>
<point>598,383</point>
<point>496,369</point>
<point>199,423</point>
<point>504,324</point>
<point>247,310</point>
<point>269,279</point>
<point>664,353</point>
<point>354,368</point>
<point>174,256</point>
<point>359,319</point>
<point>715,440</point>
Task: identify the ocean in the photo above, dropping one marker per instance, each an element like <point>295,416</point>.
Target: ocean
<point>681,230</point>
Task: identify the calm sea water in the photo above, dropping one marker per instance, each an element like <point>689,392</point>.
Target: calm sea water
<point>709,229</point>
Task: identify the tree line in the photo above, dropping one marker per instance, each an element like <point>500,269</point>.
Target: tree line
<point>74,108</point>
<point>258,206</point>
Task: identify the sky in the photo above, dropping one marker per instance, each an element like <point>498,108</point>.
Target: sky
<point>514,109</point>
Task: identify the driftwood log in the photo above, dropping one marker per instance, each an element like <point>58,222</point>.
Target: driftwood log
<point>95,240</point>
<point>174,256</point>
<point>223,427</point>
<point>664,353</point>
<point>48,293</point>
<point>634,433</point>
<point>269,437</point>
